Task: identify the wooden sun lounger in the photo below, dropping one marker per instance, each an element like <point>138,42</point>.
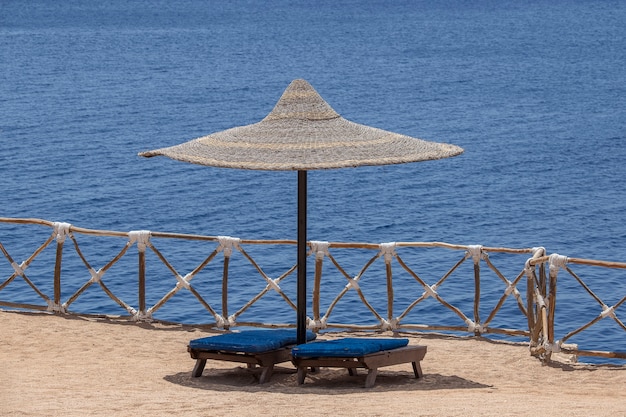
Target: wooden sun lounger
<point>265,360</point>
<point>369,361</point>
<point>263,348</point>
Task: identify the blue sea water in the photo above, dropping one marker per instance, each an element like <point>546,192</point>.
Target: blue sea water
<point>534,91</point>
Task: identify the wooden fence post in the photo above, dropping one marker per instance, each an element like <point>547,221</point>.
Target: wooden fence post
<point>475,251</point>
<point>319,249</point>
<point>388,251</point>
<point>61,230</point>
<point>142,282</point>
<point>317,285</point>
<point>142,237</point>
<point>556,262</point>
<point>531,306</point>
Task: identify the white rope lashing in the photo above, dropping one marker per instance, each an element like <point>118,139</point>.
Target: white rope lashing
<point>141,316</point>
<point>19,269</point>
<point>608,312</point>
<point>227,244</point>
<point>388,250</point>
<point>528,269</point>
<point>512,289</point>
<point>389,324</point>
<point>353,283</point>
<point>430,291</point>
<point>552,347</point>
<point>316,324</point>
<point>539,298</point>
<point>52,306</point>
<point>61,230</point>
<point>221,322</point>
<point>473,327</point>
<point>273,283</point>
<point>476,252</point>
<point>141,237</point>
<point>96,276</point>
<point>320,249</point>
<point>538,250</point>
<point>183,282</point>
<point>556,262</point>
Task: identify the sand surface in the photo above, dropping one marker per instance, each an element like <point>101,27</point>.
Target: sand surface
<point>69,366</point>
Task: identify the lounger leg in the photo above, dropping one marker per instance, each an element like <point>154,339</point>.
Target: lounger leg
<point>301,374</point>
<point>197,370</point>
<point>371,378</point>
<point>266,374</point>
<point>352,371</point>
<point>417,370</point>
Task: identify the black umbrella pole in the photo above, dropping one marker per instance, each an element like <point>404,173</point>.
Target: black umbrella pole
<point>302,202</point>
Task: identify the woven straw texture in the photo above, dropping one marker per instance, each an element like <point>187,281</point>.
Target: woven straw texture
<point>303,132</point>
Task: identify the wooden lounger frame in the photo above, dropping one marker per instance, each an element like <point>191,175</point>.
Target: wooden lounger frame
<point>265,360</point>
<point>372,362</point>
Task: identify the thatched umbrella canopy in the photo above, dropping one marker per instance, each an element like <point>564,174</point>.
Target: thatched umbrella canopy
<point>303,133</point>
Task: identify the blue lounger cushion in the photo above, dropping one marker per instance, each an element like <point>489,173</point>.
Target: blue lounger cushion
<point>249,341</point>
<point>347,347</point>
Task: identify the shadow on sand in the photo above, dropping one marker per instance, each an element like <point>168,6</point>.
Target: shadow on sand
<point>327,381</point>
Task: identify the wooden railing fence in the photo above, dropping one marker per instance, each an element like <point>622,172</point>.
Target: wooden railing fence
<point>544,341</point>
<point>397,310</point>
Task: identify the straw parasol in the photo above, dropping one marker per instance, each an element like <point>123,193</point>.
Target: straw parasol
<point>303,133</point>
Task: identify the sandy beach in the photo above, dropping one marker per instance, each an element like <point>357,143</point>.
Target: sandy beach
<point>73,366</point>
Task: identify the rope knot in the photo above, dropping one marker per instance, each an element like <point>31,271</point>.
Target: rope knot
<point>608,312</point>
<point>142,237</point>
<point>539,299</point>
<point>510,288</point>
<point>316,324</point>
<point>61,230</point>
<point>528,268</point>
<point>391,324</point>
<point>143,316</point>
<point>55,307</point>
<point>183,282</point>
<point>430,291</point>
<point>96,276</point>
<point>273,283</point>
<point>475,251</point>
<point>388,250</point>
<point>19,269</point>
<point>473,327</point>
<point>353,283</point>
<point>553,347</point>
<point>227,244</point>
<point>222,322</point>
<point>557,261</point>
<point>320,249</point>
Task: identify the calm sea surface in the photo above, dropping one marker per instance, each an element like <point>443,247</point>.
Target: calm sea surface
<point>534,91</point>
